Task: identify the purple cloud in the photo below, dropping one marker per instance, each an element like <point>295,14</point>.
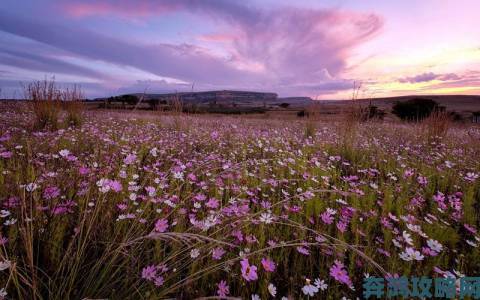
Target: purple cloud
<point>425,77</point>
<point>293,50</point>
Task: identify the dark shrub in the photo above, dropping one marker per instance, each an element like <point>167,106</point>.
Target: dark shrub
<point>284,105</point>
<point>414,109</point>
<point>302,113</point>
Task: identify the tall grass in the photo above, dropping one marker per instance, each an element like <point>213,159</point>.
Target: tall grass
<point>45,100</point>
<point>48,101</point>
<point>72,100</point>
<point>436,126</point>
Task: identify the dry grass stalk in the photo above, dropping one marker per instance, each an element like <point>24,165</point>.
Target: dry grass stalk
<point>435,127</point>
<point>73,105</point>
<point>45,101</point>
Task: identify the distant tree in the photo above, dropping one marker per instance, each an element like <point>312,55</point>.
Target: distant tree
<point>415,109</point>
<point>153,103</point>
<point>284,105</point>
<point>129,99</point>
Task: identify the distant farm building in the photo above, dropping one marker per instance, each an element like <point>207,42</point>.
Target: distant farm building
<point>219,97</point>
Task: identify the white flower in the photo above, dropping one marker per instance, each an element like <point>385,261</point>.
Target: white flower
<point>3,292</point>
<point>266,218</point>
<point>154,152</point>
<point>320,284</point>
<point>471,176</point>
<point>31,187</point>
<point>435,245</point>
<point>178,175</point>
<point>408,238</point>
<point>411,254</point>
<point>309,290</point>
<point>255,297</point>
<point>64,153</point>
<point>10,222</point>
<point>272,290</point>
<point>194,253</point>
<point>4,213</point>
<point>5,265</point>
<point>472,243</point>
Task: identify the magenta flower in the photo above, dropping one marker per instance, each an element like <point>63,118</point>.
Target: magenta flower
<point>249,272</point>
<point>268,264</point>
<point>338,272</point>
<point>212,203</point>
<point>161,225</point>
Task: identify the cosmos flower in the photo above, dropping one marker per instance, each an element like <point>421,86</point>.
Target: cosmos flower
<point>338,272</point>
<point>411,254</point>
<point>5,265</point>
<point>217,253</point>
<point>194,253</point>
<point>435,245</point>
<point>161,225</point>
<point>130,159</point>
<point>249,272</point>
<point>272,289</point>
<point>149,272</point>
<point>223,289</point>
<point>309,289</point>
<point>268,264</point>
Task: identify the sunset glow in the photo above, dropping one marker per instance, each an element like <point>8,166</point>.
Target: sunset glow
<point>294,48</point>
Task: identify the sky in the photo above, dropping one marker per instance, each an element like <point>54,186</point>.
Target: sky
<point>315,48</point>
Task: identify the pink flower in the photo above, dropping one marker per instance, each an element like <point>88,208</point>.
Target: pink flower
<point>217,253</point>
<point>149,272</point>
<point>268,264</point>
<point>115,185</point>
<point>51,192</point>
<point>223,289</point>
<point>83,170</point>
<point>327,217</point>
<point>470,228</point>
<point>303,250</point>
<point>161,225</point>
<point>249,272</point>
<point>158,281</point>
<point>6,154</point>
<point>212,203</point>
<point>130,159</point>
<point>338,272</point>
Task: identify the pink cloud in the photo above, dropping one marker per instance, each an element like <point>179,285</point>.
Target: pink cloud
<point>296,50</point>
<point>122,8</point>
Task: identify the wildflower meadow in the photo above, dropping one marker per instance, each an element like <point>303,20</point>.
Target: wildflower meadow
<point>144,205</point>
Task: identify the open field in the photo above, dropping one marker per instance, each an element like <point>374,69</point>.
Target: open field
<point>143,205</point>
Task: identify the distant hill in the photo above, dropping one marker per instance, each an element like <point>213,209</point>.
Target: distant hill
<point>458,103</point>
